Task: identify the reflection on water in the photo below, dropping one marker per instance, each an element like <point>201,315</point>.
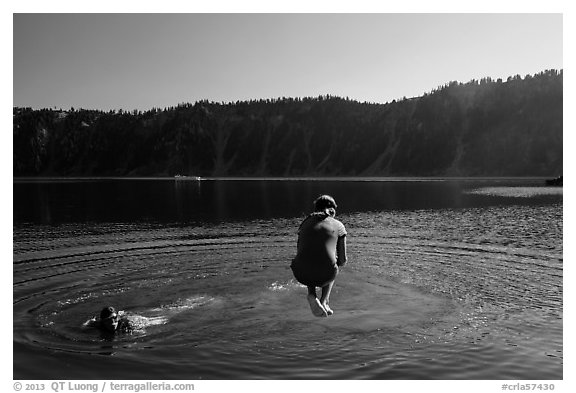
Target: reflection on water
<point>139,200</point>
<point>445,281</point>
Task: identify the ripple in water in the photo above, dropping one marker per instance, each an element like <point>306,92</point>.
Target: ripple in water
<point>441,294</point>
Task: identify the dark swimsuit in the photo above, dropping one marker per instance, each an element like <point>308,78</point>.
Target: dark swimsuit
<point>315,277</point>
<point>316,272</point>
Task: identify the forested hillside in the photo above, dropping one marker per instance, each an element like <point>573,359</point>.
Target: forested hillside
<point>479,128</point>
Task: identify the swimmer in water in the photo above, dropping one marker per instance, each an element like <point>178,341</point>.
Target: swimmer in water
<point>321,251</point>
<point>110,321</point>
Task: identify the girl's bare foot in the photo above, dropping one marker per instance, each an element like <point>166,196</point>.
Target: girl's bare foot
<point>316,306</point>
<point>328,309</point>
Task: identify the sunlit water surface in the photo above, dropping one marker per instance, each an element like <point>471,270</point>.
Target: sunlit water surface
<point>470,288</point>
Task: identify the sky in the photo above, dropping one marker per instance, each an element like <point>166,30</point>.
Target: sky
<point>142,61</point>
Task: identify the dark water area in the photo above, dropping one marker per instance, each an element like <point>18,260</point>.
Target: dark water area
<point>185,201</point>
<point>447,279</point>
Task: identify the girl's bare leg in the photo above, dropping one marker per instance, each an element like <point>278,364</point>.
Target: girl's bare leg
<point>311,290</point>
<point>315,305</point>
<point>325,299</point>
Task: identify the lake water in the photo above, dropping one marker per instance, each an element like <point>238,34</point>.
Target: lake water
<point>447,279</point>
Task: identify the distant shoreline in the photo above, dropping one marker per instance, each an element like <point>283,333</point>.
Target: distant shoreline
<point>33,179</point>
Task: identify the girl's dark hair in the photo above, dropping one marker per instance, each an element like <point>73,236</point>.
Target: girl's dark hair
<point>325,204</point>
<point>324,207</point>
<point>107,311</point>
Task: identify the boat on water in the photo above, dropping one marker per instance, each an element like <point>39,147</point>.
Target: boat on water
<point>184,177</point>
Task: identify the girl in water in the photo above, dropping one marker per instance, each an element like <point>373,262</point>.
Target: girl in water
<point>110,322</point>
<point>321,251</point>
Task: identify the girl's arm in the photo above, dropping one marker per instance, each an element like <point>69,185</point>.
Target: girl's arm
<point>341,258</point>
<point>92,322</point>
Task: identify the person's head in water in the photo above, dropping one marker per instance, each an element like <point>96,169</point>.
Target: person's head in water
<point>109,319</point>
<point>325,204</point>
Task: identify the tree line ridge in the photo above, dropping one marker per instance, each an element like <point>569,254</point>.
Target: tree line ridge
<point>480,128</point>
